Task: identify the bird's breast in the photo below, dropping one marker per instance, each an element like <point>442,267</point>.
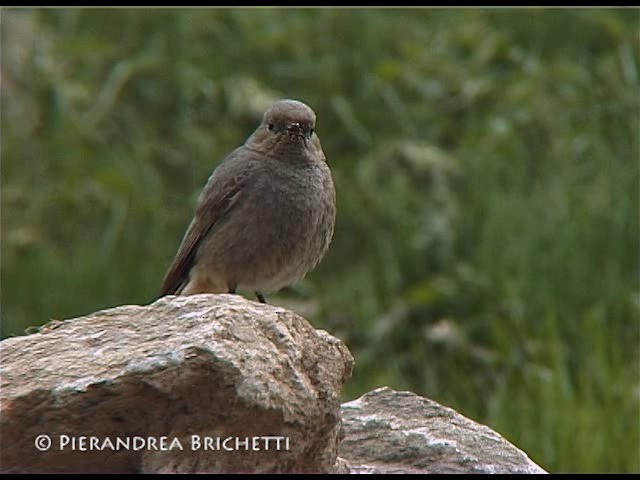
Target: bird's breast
<point>295,218</point>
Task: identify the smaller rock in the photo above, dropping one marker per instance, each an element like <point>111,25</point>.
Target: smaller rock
<point>400,432</point>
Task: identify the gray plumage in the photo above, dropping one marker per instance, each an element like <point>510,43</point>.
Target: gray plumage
<point>267,214</point>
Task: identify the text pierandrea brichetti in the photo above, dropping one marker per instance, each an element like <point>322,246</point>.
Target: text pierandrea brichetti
<point>84,443</point>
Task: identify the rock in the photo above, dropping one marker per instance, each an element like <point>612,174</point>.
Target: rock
<point>399,432</point>
<point>181,373</point>
<point>216,383</point>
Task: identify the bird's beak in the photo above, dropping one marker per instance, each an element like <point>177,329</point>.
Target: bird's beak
<point>295,129</point>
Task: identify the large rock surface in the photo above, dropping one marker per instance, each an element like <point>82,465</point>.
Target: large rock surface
<point>216,383</point>
<point>399,432</point>
<point>214,366</point>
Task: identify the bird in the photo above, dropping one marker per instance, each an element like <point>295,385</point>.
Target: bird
<point>266,215</point>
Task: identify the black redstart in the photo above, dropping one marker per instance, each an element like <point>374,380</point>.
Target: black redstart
<point>265,217</point>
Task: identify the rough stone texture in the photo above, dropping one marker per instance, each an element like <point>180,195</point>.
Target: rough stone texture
<point>399,432</point>
<point>206,365</point>
<point>218,366</point>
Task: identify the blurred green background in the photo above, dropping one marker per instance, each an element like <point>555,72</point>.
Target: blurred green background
<point>486,163</point>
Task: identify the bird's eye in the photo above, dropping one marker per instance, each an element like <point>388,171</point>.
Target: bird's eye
<point>270,127</point>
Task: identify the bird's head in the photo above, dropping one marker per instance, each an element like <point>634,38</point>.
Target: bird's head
<point>287,124</point>
<point>290,117</point>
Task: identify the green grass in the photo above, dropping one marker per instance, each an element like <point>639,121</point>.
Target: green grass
<point>486,163</point>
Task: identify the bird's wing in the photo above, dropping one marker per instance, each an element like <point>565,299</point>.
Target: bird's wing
<point>216,201</point>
